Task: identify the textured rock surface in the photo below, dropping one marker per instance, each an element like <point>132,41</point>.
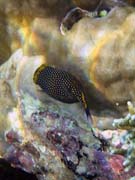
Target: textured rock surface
<point>126,140</point>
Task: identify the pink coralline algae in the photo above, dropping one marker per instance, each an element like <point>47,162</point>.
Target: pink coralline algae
<point>76,154</point>
<point>20,158</point>
<point>12,136</point>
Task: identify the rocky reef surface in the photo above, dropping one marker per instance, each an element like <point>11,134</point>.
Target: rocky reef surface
<point>52,139</point>
<point>126,140</point>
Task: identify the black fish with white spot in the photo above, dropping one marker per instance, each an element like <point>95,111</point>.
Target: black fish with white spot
<point>60,85</point>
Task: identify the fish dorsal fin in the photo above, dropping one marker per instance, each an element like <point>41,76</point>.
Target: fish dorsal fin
<point>38,71</point>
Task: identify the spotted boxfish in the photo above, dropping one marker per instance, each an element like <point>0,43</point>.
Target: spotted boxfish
<point>61,85</point>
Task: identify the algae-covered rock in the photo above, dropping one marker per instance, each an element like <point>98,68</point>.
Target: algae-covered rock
<point>127,140</point>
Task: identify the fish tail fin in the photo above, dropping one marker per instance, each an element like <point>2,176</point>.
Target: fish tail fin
<point>88,114</point>
<point>90,121</point>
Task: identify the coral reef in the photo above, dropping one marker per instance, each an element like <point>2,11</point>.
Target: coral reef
<point>121,141</point>
<point>126,142</point>
<point>51,139</point>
